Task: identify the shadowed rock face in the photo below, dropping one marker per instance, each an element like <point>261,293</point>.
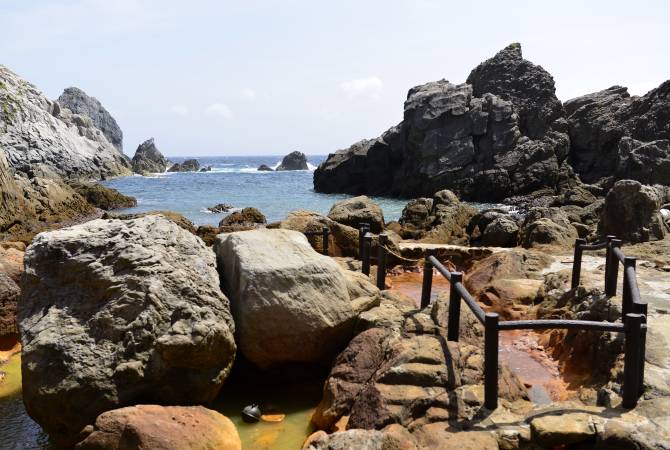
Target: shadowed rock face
<point>148,159</point>
<point>501,133</point>
<point>294,161</point>
<point>119,312</point>
<point>79,102</point>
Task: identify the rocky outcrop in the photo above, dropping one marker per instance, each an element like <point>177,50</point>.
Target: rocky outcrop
<point>547,226</point>
<point>440,219</point>
<point>189,165</point>
<point>354,211</point>
<point>631,212</point>
<point>290,304</point>
<point>501,133</point>
<point>220,208</point>
<point>37,134</point>
<point>161,428</point>
<point>246,219</point>
<point>293,161</point>
<point>118,312</point>
<point>501,232</point>
<point>614,133</point>
<point>343,239</point>
<point>148,159</point>
<point>80,103</point>
<point>103,197</point>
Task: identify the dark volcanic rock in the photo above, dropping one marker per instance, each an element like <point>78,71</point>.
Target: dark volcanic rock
<point>148,159</point>
<point>221,207</point>
<point>599,121</point>
<point>190,165</point>
<point>502,133</point>
<point>265,168</point>
<point>79,102</point>
<point>294,161</point>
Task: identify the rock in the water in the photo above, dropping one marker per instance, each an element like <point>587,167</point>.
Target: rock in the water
<point>148,159</point>
<point>294,161</point>
<point>189,165</point>
<point>9,295</point>
<point>79,102</point>
<point>154,427</point>
<point>103,197</point>
<point>290,304</point>
<point>613,133</point>
<point>631,212</point>
<point>501,133</point>
<point>265,168</point>
<point>206,169</point>
<point>246,219</point>
<point>220,208</point>
<point>354,211</point>
<point>117,312</point>
<point>37,134</point>
<point>441,219</point>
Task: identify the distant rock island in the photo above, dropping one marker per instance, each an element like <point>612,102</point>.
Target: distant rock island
<point>293,161</point>
<point>148,159</point>
<point>189,165</point>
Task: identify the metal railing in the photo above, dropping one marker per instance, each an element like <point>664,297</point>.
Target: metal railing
<point>633,325</point>
<point>324,233</point>
<point>365,251</point>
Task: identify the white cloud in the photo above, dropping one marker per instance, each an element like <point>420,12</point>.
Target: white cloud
<point>370,87</point>
<point>220,109</point>
<point>180,110</point>
<point>248,94</point>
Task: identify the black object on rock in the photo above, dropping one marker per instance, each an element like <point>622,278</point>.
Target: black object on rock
<point>251,413</point>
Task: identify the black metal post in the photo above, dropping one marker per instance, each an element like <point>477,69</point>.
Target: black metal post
<point>453,324</point>
<point>577,262</point>
<point>381,261</point>
<point>367,248</point>
<point>427,282</point>
<point>362,229</point>
<point>627,294</point>
<point>612,268</point>
<point>608,261</point>
<point>490,360</point>
<point>324,237</point>
<point>641,309</point>
<point>631,369</point>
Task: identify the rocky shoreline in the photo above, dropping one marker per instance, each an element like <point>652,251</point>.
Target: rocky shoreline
<point>130,325</point>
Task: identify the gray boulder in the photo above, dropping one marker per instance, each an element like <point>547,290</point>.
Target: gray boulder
<point>148,159</point>
<point>440,219</point>
<point>293,161</point>
<point>646,162</point>
<point>120,312</point>
<point>79,102</point>
<point>501,232</point>
<point>501,133</point>
<point>189,165</point>
<point>631,212</point>
<point>265,168</point>
<point>547,226</point>
<point>290,304</point>
<point>354,211</point>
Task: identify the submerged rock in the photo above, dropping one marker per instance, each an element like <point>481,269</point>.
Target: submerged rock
<point>81,103</point>
<point>293,161</point>
<point>116,312</point>
<point>354,211</point>
<point>156,427</point>
<point>148,159</point>
<point>290,304</point>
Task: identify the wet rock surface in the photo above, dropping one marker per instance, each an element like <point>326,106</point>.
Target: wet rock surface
<point>116,312</point>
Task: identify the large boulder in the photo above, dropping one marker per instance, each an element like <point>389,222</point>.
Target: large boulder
<point>501,232</point>
<point>117,312</point>
<point>39,134</point>
<point>156,427</point>
<point>293,161</point>
<point>245,219</point>
<point>547,226</point>
<point>290,304</point>
<point>79,102</point>
<point>631,212</point>
<point>148,159</point>
<point>356,210</point>
<point>599,123</point>
<point>501,133</point>
<point>342,239</point>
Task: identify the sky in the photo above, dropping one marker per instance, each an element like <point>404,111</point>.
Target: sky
<point>269,77</point>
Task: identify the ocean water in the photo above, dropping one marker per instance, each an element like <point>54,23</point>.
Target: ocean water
<point>235,180</point>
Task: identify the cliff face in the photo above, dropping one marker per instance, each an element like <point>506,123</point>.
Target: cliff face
<point>505,133</point>
<point>37,134</point>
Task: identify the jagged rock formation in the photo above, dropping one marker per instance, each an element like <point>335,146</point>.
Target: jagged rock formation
<point>293,161</point>
<point>501,133</point>
<point>37,134</point>
<point>190,165</point>
<point>80,103</point>
<point>119,312</point>
<point>613,133</point>
<point>148,159</point>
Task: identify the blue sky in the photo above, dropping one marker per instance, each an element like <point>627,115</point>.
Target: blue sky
<point>268,77</point>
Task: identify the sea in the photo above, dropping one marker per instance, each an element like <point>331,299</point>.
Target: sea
<point>235,180</point>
